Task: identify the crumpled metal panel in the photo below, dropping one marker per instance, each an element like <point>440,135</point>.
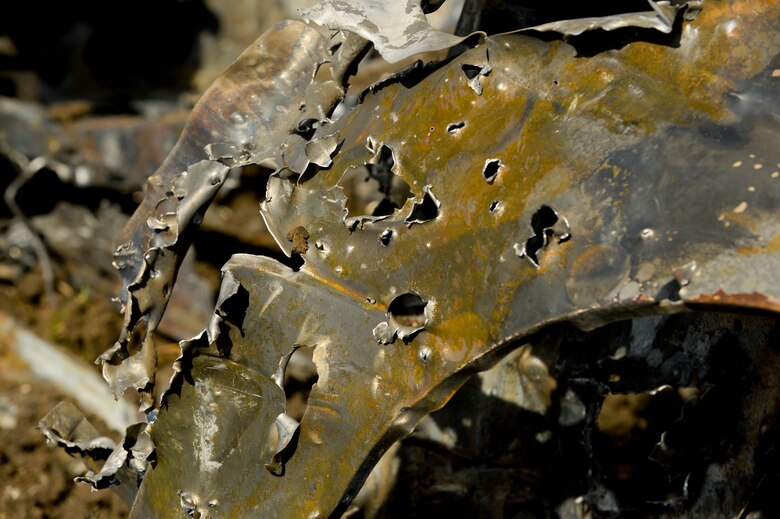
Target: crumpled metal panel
<point>636,182</point>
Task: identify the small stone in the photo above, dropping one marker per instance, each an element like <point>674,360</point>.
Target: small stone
<point>299,238</point>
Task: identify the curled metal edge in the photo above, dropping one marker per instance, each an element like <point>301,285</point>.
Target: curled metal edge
<point>427,193</point>
<point>287,428</point>
<point>398,29</point>
<point>208,342</point>
<point>320,150</point>
<point>68,428</point>
<point>188,349</point>
<point>121,466</point>
<point>187,198</point>
<point>387,332</point>
<point>288,53</point>
<point>660,18</point>
<point>127,464</point>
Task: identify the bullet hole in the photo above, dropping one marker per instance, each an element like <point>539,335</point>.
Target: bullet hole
<point>455,127</point>
<point>296,375</point>
<point>374,190</point>
<point>306,128</point>
<point>385,237</point>
<point>300,375</point>
<point>408,310</point>
<point>406,318</point>
<point>494,205</point>
<point>546,224</point>
<point>424,211</point>
<point>471,71</point>
<point>490,170</point>
<point>188,503</point>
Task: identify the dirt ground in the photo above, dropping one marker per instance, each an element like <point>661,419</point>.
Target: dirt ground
<point>37,478</point>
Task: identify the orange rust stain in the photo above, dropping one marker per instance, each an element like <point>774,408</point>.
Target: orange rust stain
<point>363,298</point>
<point>771,246</point>
<point>745,300</point>
<point>458,337</point>
<point>738,218</point>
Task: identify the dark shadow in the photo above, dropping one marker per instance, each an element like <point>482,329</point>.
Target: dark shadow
<point>487,457</point>
<point>125,47</point>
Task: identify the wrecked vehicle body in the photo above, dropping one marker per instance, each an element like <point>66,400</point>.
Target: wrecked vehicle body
<point>551,224</point>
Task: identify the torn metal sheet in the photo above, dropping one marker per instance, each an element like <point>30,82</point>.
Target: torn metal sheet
<point>127,464</point>
<point>247,116</point>
<point>320,150</point>
<point>253,393</point>
<point>660,18</point>
<point>66,426</point>
<point>286,430</point>
<point>639,149</point>
<point>473,73</point>
<point>398,29</point>
<point>243,97</point>
<point>108,464</point>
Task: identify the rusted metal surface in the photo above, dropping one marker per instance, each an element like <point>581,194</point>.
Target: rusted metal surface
<point>563,191</point>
